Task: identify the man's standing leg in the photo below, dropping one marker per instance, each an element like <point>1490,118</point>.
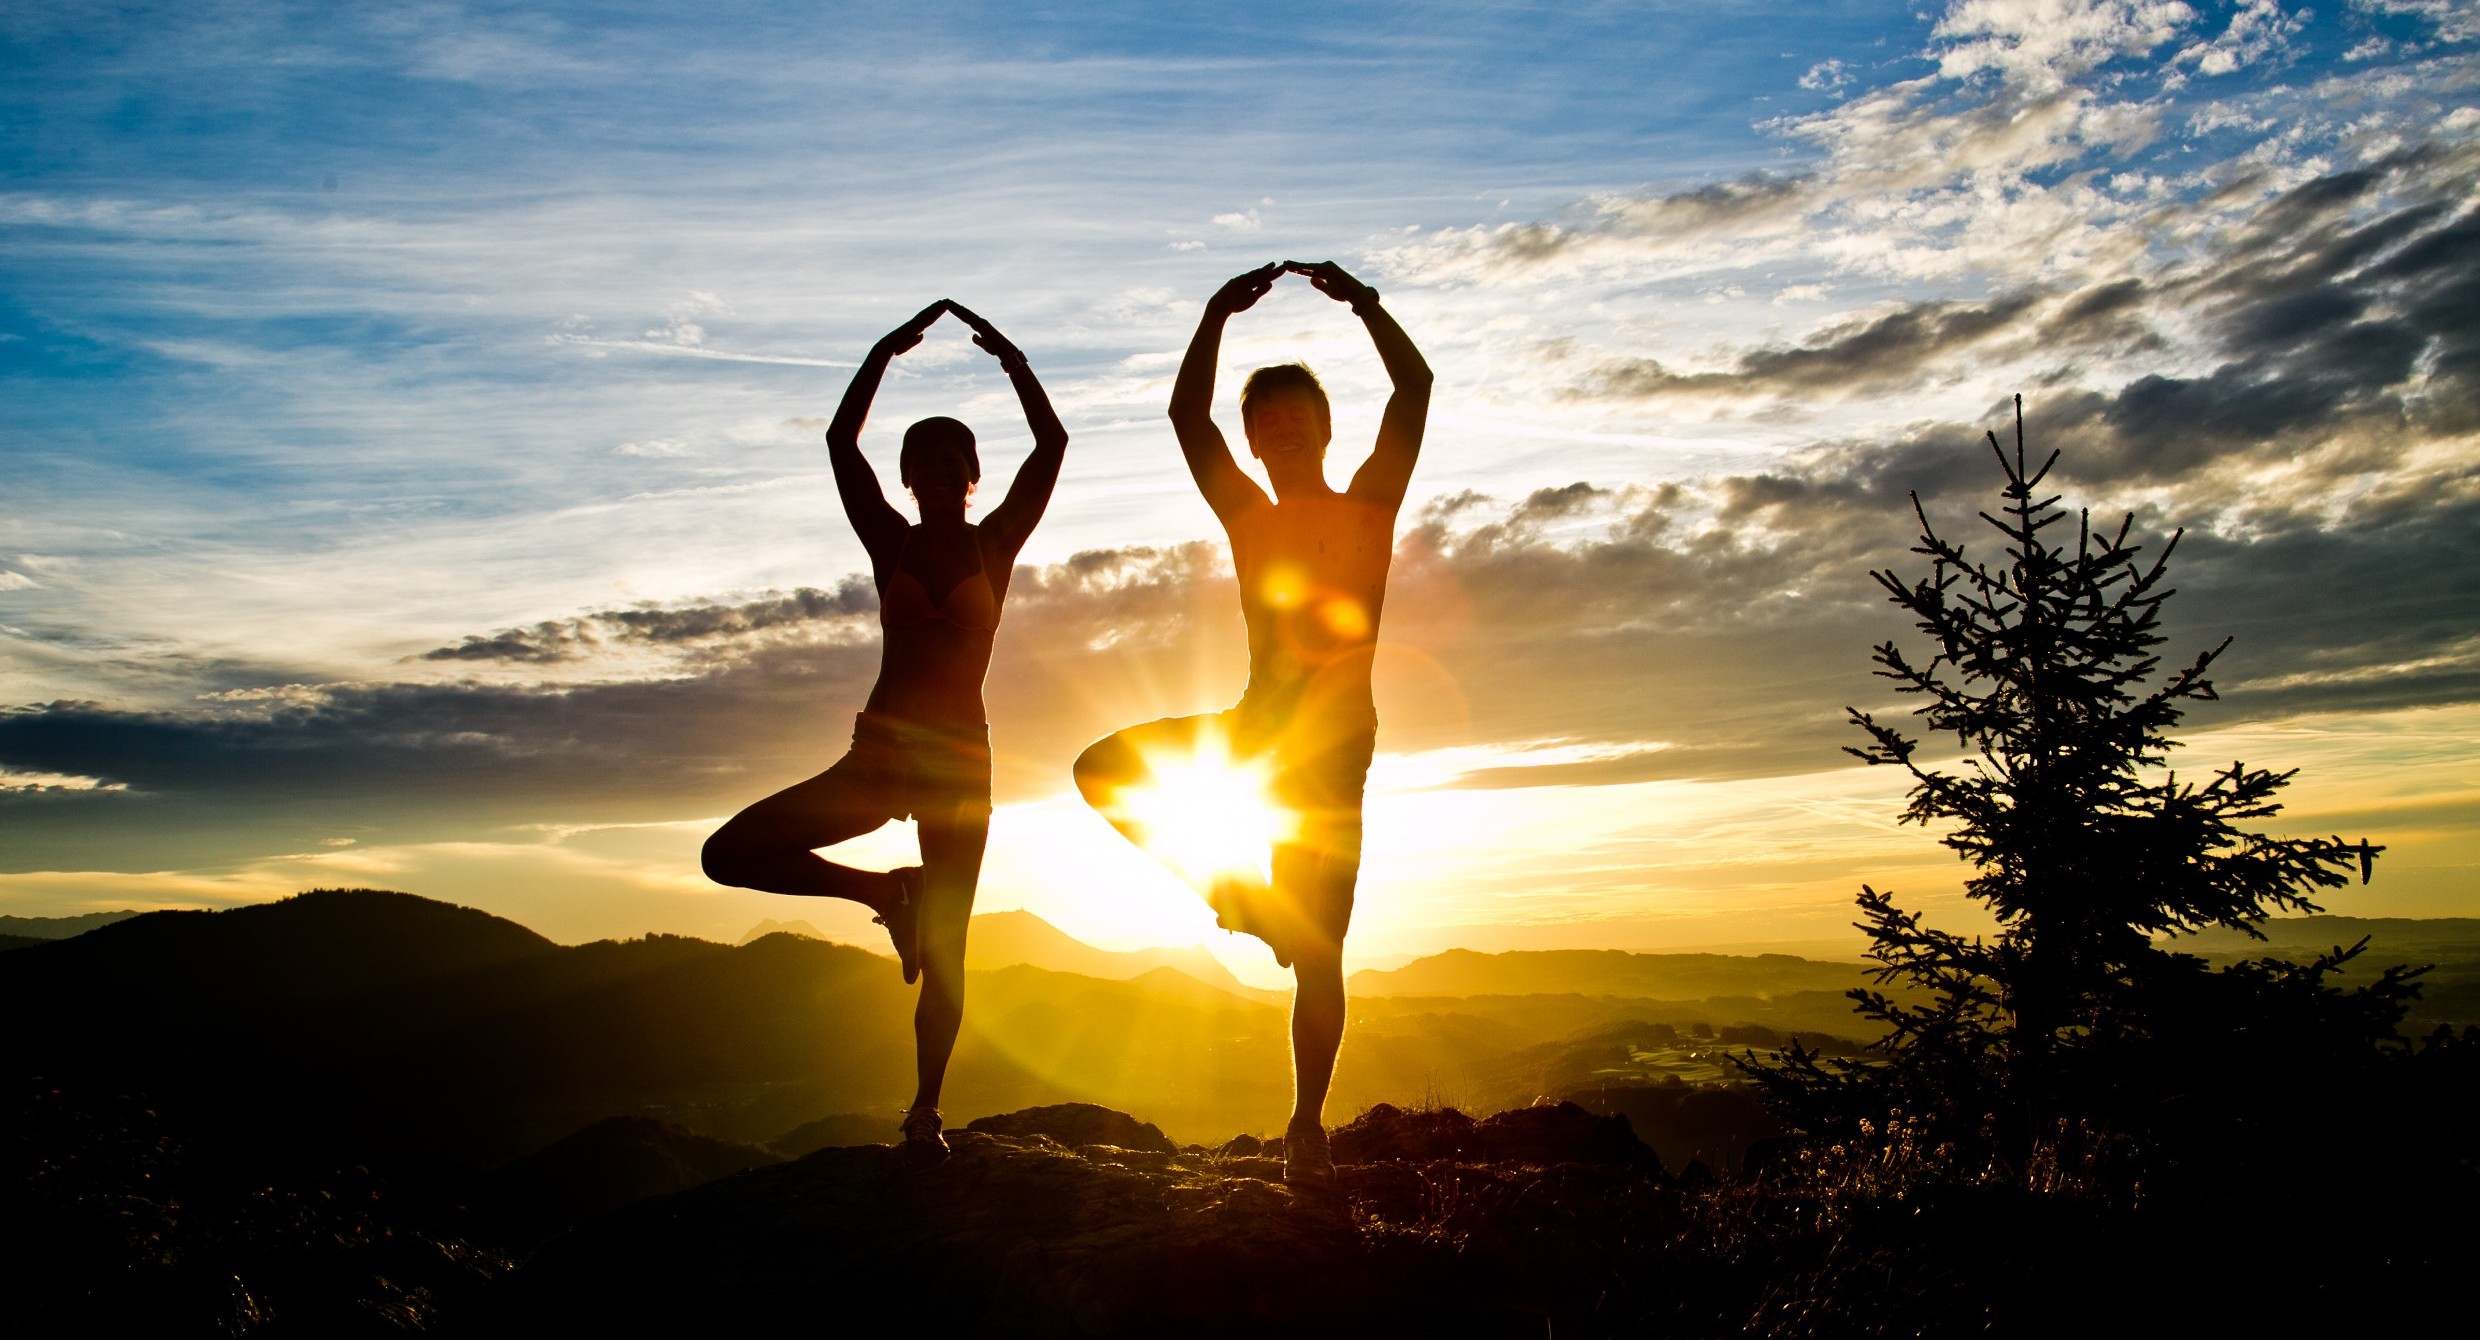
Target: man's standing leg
<point>1316,877</point>
<point>1317,1029</point>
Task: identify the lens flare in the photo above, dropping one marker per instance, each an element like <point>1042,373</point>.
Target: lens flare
<point>1208,815</point>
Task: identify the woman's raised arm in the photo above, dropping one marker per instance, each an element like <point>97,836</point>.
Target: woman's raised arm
<point>880,525</point>
<point>1011,523</point>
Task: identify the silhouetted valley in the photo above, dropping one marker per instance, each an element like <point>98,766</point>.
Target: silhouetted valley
<point>367,1112</point>
<point>395,1023</point>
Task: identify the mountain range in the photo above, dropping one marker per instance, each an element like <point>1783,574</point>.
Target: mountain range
<point>381,1020</point>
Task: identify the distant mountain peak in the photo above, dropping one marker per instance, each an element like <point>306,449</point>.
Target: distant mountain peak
<point>318,943</point>
<point>770,926</point>
<point>1005,939</point>
<point>60,928</point>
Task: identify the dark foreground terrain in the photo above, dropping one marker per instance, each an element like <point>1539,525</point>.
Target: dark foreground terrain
<point>1076,1220</point>
<point>1450,1223</point>
<point>361,1114</point>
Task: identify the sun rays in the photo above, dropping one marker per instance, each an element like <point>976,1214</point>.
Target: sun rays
<point>1208,814</point>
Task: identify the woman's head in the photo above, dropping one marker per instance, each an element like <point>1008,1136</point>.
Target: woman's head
<point>938,460</point>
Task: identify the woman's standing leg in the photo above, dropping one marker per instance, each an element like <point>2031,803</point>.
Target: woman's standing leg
<point>951,869</point>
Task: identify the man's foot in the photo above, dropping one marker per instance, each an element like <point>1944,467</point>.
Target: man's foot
<point>1233,900</point>
<point>1307,1161</point>
<point>902,918</point>
<point>921,1134</point>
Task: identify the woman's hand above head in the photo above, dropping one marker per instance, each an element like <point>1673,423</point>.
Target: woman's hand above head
<point>1241,292</point>
<point>880,526</point>
<point>904,337</point>
<point>1332,280</point>
<point>987,336</point>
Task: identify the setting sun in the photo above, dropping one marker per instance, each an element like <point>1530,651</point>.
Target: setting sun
<point>1207,814</point>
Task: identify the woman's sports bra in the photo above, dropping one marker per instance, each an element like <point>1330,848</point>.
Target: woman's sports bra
<point>969,604</point>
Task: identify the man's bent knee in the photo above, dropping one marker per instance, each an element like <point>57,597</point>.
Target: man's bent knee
<point>1098,769</point>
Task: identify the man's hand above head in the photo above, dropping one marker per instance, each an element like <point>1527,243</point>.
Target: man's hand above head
<point>1226,489</point>
<point>987,336</point>
<point>1332,280</point>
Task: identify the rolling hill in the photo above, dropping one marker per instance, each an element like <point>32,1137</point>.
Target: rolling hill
<point>1005,939</point>
<point>1606,972</point>
<point>383,1020</point>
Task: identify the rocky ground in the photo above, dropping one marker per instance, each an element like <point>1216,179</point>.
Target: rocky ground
<point>1077,1220</point>
<point>1436,1222</point>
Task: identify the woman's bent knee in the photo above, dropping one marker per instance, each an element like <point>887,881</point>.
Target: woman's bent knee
<point>724,861</point>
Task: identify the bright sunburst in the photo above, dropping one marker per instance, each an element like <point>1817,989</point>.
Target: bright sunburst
<point>1207,814</point>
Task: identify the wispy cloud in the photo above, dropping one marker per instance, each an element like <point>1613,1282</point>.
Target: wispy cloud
<point>677,350</point>
<point>414,417</point>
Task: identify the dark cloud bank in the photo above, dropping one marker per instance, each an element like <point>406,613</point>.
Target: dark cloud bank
<point>1729,617</point>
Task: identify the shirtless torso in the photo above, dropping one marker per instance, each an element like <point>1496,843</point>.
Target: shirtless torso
<point>1312,573</point>
<point>1312,565</point>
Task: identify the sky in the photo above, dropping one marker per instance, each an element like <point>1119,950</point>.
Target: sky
<point>410,424</point>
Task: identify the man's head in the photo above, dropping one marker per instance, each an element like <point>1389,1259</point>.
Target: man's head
<point>1283,410</point>
<point>938,460</point>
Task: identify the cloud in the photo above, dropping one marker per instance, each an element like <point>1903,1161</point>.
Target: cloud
<point>685,340</point>
<point>1826,76</point>
<point>15,780</point>
<point>2240,301</point>
<point>1864,354</point>
<point>2326,343</point>
<point>700,622</point>
<point>2258,29</point>
<point>1707,628</point>
<point>2451,22</point>
<point>1610,228</point>
<point>2009,164</point>
<point>2044,43</point>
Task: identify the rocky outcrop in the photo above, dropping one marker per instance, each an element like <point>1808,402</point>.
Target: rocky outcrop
<point>1022,1234</point>
<point>828,1132</point>
<point>612,1163</point>
<point>1549,1133</point>
<point>1079,1124</point>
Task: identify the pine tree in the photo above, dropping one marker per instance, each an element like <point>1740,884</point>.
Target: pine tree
<point>2084,846</point>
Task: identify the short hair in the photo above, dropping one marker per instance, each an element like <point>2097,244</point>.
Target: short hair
<point>933,434</point>
<point>1278,379</point>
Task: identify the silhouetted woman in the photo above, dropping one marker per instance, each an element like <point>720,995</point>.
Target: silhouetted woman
<point>921,746</point>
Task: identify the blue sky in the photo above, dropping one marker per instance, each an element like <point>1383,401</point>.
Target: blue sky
<point>329,341</point>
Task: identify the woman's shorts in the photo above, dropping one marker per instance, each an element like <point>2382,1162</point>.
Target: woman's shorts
<point>914,771</point>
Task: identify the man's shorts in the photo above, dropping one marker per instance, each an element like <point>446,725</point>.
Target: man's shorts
<point>1319,773</point>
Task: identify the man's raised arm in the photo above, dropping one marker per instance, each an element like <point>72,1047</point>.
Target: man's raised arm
<point>1382,478</point>
<point>1227,490</point>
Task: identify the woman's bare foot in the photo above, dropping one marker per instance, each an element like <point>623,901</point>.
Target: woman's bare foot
<point>902,917</point>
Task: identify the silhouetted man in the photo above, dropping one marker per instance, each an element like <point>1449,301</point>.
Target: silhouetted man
<point>1312,566</point>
